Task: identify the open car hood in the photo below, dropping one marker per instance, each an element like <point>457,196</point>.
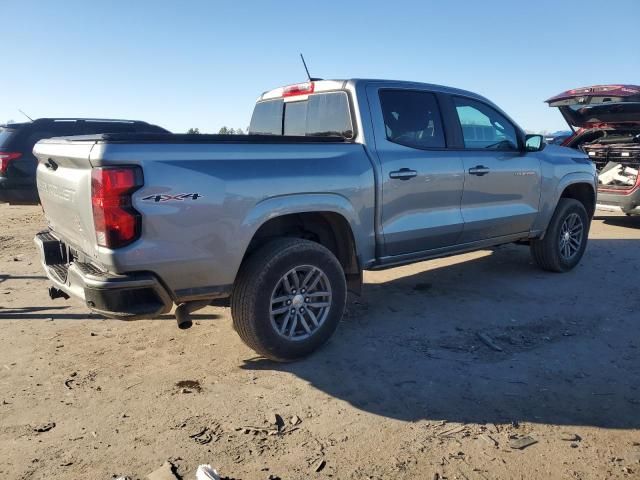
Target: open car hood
<point>600,106</point>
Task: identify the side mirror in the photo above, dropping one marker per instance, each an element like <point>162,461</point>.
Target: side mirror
<point>534,143</point>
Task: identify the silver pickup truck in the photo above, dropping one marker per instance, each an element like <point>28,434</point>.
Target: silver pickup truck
<point>335,177</point>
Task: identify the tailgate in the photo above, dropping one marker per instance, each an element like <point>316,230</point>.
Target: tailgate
<point>64,185</point>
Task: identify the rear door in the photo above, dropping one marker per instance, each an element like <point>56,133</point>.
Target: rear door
<point>502,181</point>
<point>421,180</point>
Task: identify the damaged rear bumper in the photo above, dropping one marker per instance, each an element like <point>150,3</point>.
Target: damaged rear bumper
<point>128,297</point>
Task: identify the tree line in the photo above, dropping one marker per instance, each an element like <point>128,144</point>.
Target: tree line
<point>222,131</point>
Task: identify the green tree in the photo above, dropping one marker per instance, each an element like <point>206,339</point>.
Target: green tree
<point>231,131</point>
<point>193,130</point>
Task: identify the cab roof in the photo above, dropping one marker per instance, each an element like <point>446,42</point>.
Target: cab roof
<point>317,86</point>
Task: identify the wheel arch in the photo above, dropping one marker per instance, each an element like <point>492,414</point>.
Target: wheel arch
<point>582,192</point>
<point>579,186</point>
<point>327,219</point>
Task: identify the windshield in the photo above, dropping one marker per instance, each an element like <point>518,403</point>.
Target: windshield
<point>318,115</point>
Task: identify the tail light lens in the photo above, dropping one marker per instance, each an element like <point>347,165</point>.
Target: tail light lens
<point>116,222</point>
<point>6,158</point>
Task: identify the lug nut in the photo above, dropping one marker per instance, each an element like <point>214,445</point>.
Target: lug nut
<point>293,310</point>
<point>302,291</point>
<point>306,299</point>
<point>288,302</point>
<point>301,309</point>
<point>293,291</point>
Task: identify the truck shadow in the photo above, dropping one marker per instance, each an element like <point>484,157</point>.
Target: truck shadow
<point>60,313</point>
<point>4,277</point>
<point>563,349</point>
<point>620,221</point>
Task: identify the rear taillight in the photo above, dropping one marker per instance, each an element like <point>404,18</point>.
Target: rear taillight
<point>116,222</point>
<point>6,158</point>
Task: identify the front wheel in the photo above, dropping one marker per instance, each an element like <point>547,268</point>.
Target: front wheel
<point>566,238</point>
<point>288,298</point>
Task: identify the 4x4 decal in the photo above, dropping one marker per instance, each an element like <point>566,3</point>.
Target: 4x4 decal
<point>167,198</point>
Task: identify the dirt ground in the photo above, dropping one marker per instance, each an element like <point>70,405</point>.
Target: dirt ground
<point>406,388</point>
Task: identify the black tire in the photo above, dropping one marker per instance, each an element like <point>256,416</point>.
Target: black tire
<point>256,282</point>
<point>547,252</point>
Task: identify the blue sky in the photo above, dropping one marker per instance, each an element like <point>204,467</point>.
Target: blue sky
<point>203,63</point>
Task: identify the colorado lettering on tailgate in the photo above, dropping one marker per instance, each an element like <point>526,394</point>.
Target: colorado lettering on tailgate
<point>61,193</point>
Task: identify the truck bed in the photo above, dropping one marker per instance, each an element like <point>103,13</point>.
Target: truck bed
<point>201,195</point>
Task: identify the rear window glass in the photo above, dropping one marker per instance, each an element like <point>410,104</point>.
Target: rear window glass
<point>321,114</point>
<point>5,135</point>
<point>295,118</point>
<point>267,118</point>
<point>329,115</point>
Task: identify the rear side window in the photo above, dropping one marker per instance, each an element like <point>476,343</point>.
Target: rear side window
<point>90,128</point>
<point>320,114</point>
<point>412,118</point>
<point>5,136</point>
<point>37,136</point>
<point>484,127</point>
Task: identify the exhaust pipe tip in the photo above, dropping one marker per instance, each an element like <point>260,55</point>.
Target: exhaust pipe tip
<point>183,316</point>
<point>184,311</point>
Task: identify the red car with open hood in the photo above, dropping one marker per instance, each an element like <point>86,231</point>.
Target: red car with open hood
<point>606,124</point>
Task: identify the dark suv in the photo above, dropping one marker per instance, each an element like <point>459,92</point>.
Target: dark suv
<point>17,163</point>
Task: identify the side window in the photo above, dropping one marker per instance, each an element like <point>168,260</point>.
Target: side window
<point>412,118</point>
<point>484,127</point>
<point>66,128</point>
<point>93,128</point>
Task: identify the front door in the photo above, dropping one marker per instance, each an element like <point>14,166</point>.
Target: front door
<point>421,181</point>
<point>502,182</point>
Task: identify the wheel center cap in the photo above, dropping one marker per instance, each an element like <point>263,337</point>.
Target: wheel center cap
<point>567,236</point>
<point>297,300</point>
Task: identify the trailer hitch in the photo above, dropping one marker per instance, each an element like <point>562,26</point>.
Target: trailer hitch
<point>57,293</point>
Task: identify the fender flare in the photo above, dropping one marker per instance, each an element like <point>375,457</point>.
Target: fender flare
<point>573,178</point>
<point>566,181</point>
<point>281,205</point>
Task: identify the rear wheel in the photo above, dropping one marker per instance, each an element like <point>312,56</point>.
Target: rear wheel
<point>566,238</point>
<point>288,298</point>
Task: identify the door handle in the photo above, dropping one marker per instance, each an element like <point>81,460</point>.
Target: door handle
<point>403,174</point>
<point>479,170</point>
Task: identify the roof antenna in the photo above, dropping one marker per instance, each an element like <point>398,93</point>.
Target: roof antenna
<point>25,115</point>
<point>311,79</point>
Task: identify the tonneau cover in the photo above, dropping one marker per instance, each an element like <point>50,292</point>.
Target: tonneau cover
<point>193,138</point>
